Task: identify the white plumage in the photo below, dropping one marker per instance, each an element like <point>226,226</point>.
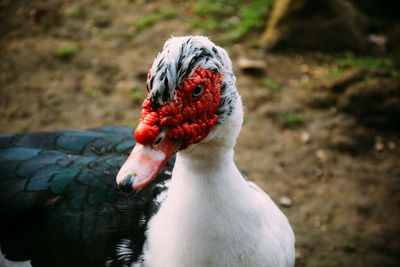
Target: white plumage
<point>212,215</point>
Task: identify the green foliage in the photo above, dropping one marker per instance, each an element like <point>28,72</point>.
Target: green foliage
<point>104,5</point>
<point>236,18</point>
<point>351,61</point>
<point>293,119</point>
<point>74,12</point>
<point>253,15</point>
<point>66,51</point>
<point>349,247</point>
<point>272,85</point>
<point>46,24</point>
<point>137,96</point>
<point>93,92</point>
<point>304,84</point>
<point>333,72</point>
<point>57,100</point>
<point>338,65</point>
<point>152,19</point>
<point>395,73</point>
<point>215,8</point>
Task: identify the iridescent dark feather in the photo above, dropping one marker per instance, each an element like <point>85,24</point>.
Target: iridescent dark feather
<point>59,203</point>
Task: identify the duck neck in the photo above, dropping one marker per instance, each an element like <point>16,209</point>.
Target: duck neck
<point>209,164</point>
<point>210,171</point>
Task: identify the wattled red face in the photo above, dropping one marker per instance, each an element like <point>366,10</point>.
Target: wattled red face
<point>162,130</point>
<point>189,117</point>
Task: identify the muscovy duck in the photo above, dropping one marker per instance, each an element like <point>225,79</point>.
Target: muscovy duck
<point>60,205</point>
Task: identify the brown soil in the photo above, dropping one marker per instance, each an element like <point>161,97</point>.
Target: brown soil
<point>345,202</point>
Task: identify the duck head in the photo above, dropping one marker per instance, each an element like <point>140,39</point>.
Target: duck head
<point>191,97</point>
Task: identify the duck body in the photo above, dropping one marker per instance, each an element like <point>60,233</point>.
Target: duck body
<point>217,217</point>
<point>63,207</point>
<point>60,205</point>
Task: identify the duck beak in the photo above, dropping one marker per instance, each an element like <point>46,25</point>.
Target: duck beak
<point>144,163</point>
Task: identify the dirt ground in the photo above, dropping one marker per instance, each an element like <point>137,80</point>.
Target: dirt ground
<point>344,206</point>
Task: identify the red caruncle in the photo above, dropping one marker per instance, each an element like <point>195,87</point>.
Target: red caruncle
<point>186,118</point>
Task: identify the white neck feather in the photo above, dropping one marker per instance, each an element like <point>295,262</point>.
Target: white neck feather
<point>212,217</point>
<point>208,166</point>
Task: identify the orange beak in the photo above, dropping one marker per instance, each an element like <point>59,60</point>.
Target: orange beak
<point>144,163</point>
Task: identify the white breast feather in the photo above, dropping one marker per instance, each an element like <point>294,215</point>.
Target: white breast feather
<point>213,217</point>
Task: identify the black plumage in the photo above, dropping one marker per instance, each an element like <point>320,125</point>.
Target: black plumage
<point>60,204</point>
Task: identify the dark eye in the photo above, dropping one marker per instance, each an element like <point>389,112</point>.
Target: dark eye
<point>197,91</point>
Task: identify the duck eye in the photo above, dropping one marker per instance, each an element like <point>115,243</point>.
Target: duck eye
<point>197,91</point>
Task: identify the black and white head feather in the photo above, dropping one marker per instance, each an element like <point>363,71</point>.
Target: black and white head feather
<point>179,58</point>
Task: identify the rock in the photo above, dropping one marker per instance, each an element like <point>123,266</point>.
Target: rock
<point>372,97</point>
<point>321,155</point>
<point>379,146</point>
<point>378,43</point>
<point>319,173</point>
<point>102,21</point>
<point>374,102</point>
<point>343,142</point>
<point>251,66</point>
<point>391,145</point>
<point>320,99</point>
<point>341,83</point>
<point>313,24</point>
<point>285,201</point>
<point>322,96</point>
<point>305,137</point>
<point>346,135</point>
<point>304,68</point>
<point>298,255</point>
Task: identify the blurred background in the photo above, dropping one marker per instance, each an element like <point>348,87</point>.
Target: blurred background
<point>319,82</point>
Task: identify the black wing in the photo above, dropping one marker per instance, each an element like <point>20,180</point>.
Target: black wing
<point>60,205</point>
